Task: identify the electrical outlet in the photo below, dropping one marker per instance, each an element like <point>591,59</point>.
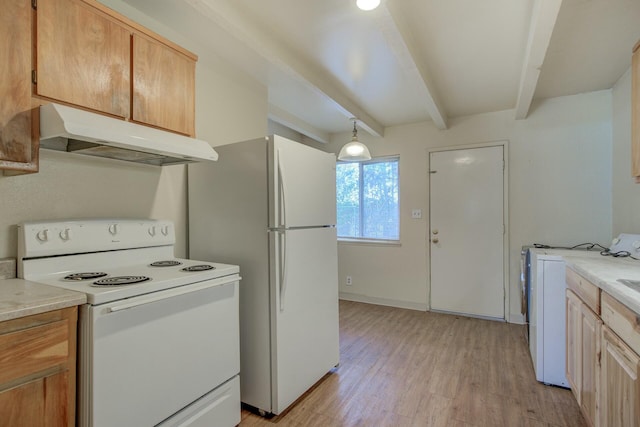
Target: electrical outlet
<point>349,282</point>
<point>416,213</point>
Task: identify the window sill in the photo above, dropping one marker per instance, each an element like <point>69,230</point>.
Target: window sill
<point>368,242</point>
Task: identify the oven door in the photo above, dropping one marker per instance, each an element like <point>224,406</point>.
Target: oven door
<point>145,358</point>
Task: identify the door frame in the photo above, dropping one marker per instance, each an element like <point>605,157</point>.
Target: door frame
<point>505,216</point>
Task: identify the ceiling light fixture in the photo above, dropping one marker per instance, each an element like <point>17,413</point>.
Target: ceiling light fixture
<point>354,151</point>
<point>367,4</point>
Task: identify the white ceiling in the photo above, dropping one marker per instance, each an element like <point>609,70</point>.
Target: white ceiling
<point>409,60</point>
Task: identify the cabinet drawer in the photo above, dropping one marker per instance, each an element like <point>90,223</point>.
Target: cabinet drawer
<point>624,322</point>
<point>33,350</point>
<point>587,291</point>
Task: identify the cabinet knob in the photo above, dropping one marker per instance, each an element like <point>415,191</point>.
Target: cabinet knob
<point>43,235</point>
<point>113,229</point>
<point>65,234</point>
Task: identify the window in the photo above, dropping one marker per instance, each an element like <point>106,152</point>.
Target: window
<point>367,199</point>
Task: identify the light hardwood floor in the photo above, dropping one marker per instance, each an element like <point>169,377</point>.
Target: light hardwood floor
<point>410,368</point>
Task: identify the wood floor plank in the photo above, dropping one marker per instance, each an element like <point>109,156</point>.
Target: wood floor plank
<point>410,368</point>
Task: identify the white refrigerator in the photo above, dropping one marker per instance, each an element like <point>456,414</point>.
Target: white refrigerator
<point>269,206</point>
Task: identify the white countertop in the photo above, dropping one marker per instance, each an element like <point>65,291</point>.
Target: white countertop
<point>19,298</point>
<point>604,272</point>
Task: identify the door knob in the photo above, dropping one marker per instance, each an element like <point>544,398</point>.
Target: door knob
<point>434,231</point>
<point>435,240</point>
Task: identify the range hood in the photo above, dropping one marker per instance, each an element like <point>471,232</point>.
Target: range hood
<point>69,129</point>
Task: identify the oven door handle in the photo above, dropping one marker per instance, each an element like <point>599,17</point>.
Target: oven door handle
<point>170,293</point>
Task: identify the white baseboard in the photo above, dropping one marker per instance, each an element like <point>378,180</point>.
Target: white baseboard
<point>383,301</point>
<point>516,318</point>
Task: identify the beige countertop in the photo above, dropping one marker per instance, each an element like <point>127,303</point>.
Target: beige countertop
<point>604,272</point>
<point>19,298</point>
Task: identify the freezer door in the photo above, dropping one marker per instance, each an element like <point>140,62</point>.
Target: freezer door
<point>302,182</point>
<point>304,311</point>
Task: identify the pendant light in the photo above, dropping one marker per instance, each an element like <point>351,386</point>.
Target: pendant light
<point>367,4</point>
<point>354,151</point>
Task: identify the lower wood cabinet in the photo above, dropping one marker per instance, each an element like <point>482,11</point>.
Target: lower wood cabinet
<point>583,350</point>
<point>591,327</point>
<point>603,361</point>
<point>38,374</point>
<point>40,402</point>
<point>574,344</point>
<point>620,386</point>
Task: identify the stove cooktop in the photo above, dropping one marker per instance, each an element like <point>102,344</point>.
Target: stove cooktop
<point>115,283</point>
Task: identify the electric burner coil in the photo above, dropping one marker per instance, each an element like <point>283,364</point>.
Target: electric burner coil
<point>167,263</point>
<point>199,267</point>
<point>120,280</point>
<point>85,276</point>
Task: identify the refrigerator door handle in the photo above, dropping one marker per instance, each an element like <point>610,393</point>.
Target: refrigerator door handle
<point>283,270</point>
<point>282,214</point>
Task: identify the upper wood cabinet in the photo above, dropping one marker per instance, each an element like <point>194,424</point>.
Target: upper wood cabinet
<point>18,121</point>
<point>89,56</point>
<point>82,57</point>
<point>163,86</point>
<point>635,112</point>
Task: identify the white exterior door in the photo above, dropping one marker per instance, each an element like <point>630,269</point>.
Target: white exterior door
<point>466,231</point>
<point>303,183</point>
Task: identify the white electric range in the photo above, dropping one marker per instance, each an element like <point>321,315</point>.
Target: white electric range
<point>159,336</point>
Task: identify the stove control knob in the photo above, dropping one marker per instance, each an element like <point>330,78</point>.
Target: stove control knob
<point>152,231</point>
<point>165,230</point>
<point>113,229</point>
<point>65,234</point>
<point>43,235</point>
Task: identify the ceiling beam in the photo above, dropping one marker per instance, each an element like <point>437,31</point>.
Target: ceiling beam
<point>228,17</point>
<point>543,20</point>
<point>283,117</point>
<point>412,61</point>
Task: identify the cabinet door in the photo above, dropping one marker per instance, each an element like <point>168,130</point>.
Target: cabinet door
<point>163,86</point>
<point>18,146</point>
<point>37,374</point>
<point>590,382</point>
<point>574,344</point>
<point>620,387</point>
<point>635,112</point>
<point>41,402</point>
<point>82,57</point>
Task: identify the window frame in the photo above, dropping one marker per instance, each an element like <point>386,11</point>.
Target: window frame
<point>372,240</point>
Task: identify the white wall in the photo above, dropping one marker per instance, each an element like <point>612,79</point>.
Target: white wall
<point>75,186</point>
<point>626,193</point>
<point>230,107</point>
<point>559,191</point>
